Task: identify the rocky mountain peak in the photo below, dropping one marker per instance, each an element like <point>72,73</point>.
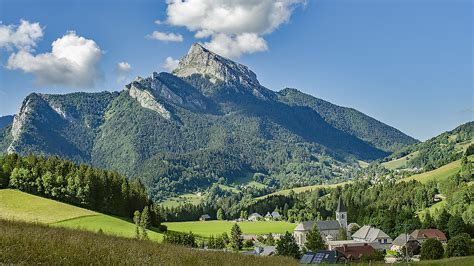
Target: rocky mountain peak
<point>200,60</point>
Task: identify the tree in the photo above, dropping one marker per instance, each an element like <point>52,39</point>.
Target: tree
<point>287,246</point>
<point>236,240</point>
<point>442,221</point>
<point>354,229</point>
<point>342,235</point>
<point>428,221</point>
<point>136,220</point>
<point>220,214</point>
<point>456,226</point>
<point>145,222</point>
<point>248,243</point>
<point>459,246</point>
<point>431,249</point>
<point>211,243</point>
<point>269,240</point>
<point>314,241</point>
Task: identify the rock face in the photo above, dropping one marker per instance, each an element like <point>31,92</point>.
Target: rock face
<point>201,61</point>
<point>147,100</point>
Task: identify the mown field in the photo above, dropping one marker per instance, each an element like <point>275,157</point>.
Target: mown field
<point>20,206</point>
<point>25,243</point>
<point>304,189</point>
<point>440,174</point>
<point>400,162</point>
<point>208,228</point>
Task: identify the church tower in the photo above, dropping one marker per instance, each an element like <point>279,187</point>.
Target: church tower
<point>341,214</point>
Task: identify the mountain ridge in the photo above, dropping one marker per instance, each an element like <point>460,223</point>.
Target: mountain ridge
<point>182,131</point>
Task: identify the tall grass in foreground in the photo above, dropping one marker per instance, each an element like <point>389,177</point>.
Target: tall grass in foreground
<point>27,243</point>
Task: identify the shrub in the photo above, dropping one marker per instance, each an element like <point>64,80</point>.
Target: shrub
<point>431,249</point>
<point>459,246</point>
<point>248,243</point>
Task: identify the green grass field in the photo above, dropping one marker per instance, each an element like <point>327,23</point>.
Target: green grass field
<point>400,162</point>
<point>20,206</point>
<point>304,189</point>
<point>439,175</point>
<point>208,228</point>
<point>33,244</point>
<point>182,199</point>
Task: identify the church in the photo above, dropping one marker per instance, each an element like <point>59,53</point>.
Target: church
<point>329,229</point>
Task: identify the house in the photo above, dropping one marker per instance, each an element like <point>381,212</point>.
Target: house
<point>268,216</point>
<point>323,257</point>
<point>405,240</point>
<point>276,216</point>
<point>255,217</point>
<point>355,253</point>
<point>328,229</point>
<point>375,237</point>
<point>422,234</point>
<point>204,217</point>
<point>265,250</point>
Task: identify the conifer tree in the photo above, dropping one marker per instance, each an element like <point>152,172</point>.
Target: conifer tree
<point>236,240</point>
<point>314,241</point>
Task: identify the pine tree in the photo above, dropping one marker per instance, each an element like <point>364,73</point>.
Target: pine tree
<point>236,240</point>
<point>220,214</point>
<point>342,234</point>
<point>314,241</point>
<point>287,246</point>
<point>136,220</point>
<point>145,222</point>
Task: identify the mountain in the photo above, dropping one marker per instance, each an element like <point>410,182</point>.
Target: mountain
<point>209,121</point>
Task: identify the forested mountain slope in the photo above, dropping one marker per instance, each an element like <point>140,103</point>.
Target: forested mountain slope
<point>210,121</point>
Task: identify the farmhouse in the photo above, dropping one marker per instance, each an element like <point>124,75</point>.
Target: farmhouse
<point>375,237</point>
<point>404,240</point>
<point>255,217</point>
<point>328,229</point>
<point>354,253</point>
<point>204,217</point>
<point>422,234</point>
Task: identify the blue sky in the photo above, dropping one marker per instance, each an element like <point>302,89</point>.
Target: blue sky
<point>406,63</point>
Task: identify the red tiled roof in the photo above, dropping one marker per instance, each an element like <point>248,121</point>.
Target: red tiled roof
<point>429,233</point>
<point>355,252</point>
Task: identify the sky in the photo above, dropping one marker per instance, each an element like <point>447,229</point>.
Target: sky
<point>407,63</point>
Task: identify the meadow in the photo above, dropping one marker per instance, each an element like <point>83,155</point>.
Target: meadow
<point>208,228</point>
<point>304,189</point>
<point>20,206</point>
<point>25,243</point>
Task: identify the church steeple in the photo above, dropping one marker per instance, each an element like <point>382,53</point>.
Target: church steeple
<point>341,214</point>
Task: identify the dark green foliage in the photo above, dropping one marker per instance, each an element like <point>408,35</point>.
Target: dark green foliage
<point>236,240</point>
<point>455,226</point>
<point>179,238</point>
<point>220,214</point>
<point>314,241</point>
<point>136,220</point>
<point>287,246</point>
<point>269,240</point>
<point>431,249</point>
<point>145,222</point>
<point>459,246</point>
<point>81,185</point>
<point>248,243</point>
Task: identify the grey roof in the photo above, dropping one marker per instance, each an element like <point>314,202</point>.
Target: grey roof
<point>205,216</point>
<point>340,206</point>
<point>401,240</point>
<point>268,215</point>
<point>322,225</point>
<point>255,215</point>
<point>276,214</point>
<point>369,233</point>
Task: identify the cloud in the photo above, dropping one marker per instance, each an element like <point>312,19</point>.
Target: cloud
<point>231,24</point>
<point>22,37</point>
<point>73,62</point>
<point>170,63</point>
<point>165,36</point>
<point>122,70</point>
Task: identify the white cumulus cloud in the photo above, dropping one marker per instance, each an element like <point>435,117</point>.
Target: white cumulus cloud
<point>231,24</point>
<point>22,37</point>
<point>170,63</point>
<point>165,36</point>
<point>72,62</point>
<point>122,70</point>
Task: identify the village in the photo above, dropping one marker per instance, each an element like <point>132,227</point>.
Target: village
<point>344,242</point>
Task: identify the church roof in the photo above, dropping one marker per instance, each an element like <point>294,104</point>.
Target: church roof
<point>340,206</point>
<point>322,225</point>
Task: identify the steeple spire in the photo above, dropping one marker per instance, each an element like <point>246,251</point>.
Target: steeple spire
<point>340,206</point>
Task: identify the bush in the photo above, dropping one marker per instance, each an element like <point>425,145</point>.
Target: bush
<point>459,246</point>
<point>183,239</point>
<point>248,243</point>
<point>376,256</point>
<point>432,249</point>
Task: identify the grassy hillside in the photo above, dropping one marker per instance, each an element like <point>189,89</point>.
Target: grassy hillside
<point>208,228</point>
<point>440,174</point>
<point>304,189</point>
<point>182,199</point>
<point>20,206</point>
<point>23,243</point>
<point>400,162</point>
